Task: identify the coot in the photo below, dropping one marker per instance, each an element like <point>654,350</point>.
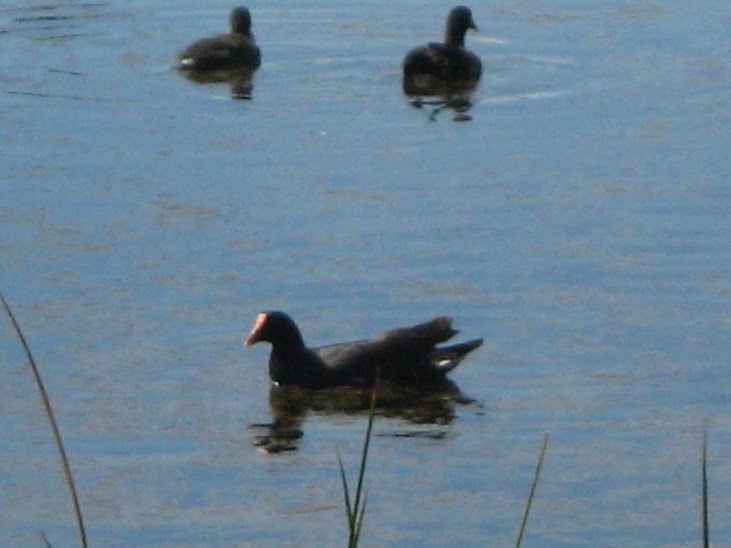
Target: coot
<point>444,68</point>
<point>233,50</point>
<point>407,354</point>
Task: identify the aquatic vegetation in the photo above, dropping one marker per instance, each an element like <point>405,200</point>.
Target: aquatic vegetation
<point>355,509</point>
<point>529,501</point>
<point>704,489</point>
<point>54,425</point>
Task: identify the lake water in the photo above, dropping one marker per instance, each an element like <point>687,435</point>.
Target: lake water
<point>579,221</point>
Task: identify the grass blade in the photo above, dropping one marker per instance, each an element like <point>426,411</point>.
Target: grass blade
<point>346,493</point>
<point>366,446</point>
<point>704,484</point>
<point>54,425</point>
<point>529,502</point>
<point>45,540</point>
<point>355,509</point>
<point>359,523</point>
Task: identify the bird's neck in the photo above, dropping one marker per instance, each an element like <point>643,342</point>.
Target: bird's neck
<point>289,343</point>
<point>455,38</point>
<point>284,359</point>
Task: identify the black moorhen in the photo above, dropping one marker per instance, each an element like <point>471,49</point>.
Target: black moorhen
<point>408,354</point>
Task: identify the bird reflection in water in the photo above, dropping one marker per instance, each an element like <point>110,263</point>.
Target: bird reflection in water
<point>459,104</point>
<point>428,408</point>
<point>240,79</point>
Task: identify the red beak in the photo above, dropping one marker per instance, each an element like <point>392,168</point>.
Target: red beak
<point>255,335</point>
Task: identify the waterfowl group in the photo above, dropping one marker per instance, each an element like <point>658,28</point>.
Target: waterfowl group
<point>409,354</point>
<point>434,69</point>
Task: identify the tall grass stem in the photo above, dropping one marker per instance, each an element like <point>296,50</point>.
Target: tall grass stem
<point>54,425</point>
<point>704,485</point>
<point>529,502</point>
<point>355,509</point>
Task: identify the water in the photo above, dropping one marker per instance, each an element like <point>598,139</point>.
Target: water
<point>579,222</point>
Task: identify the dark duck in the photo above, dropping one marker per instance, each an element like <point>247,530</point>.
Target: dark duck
<point>237,49</point>
<point>444,68</point>
<point>408,354</point>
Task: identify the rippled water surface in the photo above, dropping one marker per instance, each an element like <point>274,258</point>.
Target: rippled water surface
<point>579,221</point>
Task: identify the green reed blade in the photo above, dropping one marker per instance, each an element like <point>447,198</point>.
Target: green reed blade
<point>529,502</point>
<point>54,425</point>
<point>704,482</point>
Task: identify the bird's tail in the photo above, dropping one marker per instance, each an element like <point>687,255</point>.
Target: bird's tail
<point>447,358</point>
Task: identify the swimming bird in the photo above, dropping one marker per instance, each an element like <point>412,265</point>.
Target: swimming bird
<point>408,354</point>
<point>444,68</point>
<point>236,49</point>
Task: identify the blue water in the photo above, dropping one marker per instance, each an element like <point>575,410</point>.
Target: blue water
<point>579,222</point>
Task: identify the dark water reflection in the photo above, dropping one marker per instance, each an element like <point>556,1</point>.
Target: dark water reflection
<point>437,97</point>
<point>54,22</point>
<point>423,406</point>
<point>240,79</point>
<point>435,106</point>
